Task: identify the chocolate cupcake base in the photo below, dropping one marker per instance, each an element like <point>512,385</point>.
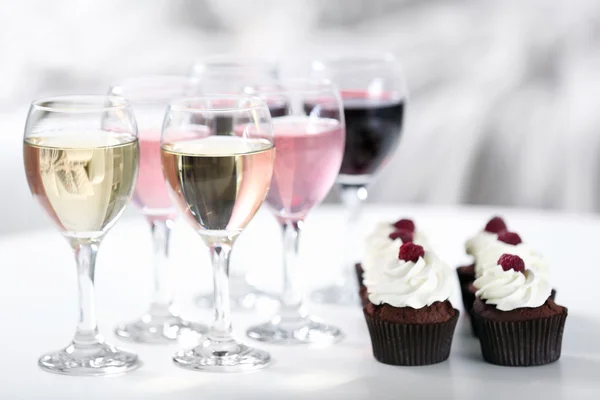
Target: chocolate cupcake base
<point>411,344</point>
<point>468,295</point>
<point>359,274</point>
<point>466,277</point>
<point>362,289</point>
<point>466,274</point>
<point>364,295</point>
<point>468,301</point>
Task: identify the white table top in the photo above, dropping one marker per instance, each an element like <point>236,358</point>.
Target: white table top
<point>38,312</point>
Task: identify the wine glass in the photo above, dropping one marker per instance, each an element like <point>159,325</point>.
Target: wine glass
<point>374,95</point>
<point>219,178</point>
<point>310,146</point>
<point>81,161</point>
<point>229,74</point>
<point>149,97</point>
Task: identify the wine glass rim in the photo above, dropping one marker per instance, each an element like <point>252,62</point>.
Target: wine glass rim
<point>80,103</point>
<point>151,89</point>
<point>307,85</point>
<point>186,104</point>
<point>349,61</point>
<point>152,80</point>
<point>230,64</point>
<point>234,61</point>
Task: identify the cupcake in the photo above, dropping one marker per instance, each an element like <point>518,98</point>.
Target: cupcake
<point>410,319</point>
<point>518,324</point>
<point>507,243</point>
<point>383,243</point>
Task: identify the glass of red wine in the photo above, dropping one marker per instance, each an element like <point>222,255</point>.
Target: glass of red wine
<point>309,138</point>
<point>232,75</point>
<point>374,94</point>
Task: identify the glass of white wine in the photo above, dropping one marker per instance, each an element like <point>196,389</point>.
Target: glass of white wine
<point>81,161</point>
<point>218,179</point>
<point>231,74</point>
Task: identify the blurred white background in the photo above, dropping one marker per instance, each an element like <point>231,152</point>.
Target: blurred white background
<point>505,95</point>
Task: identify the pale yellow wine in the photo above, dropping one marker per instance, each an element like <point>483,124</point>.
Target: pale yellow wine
<point>83,181</point>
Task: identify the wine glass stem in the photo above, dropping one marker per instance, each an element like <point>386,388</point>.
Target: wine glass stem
<point>221,328</point>
<point>352,198</point>
<point>292,299</point>
<point>87,328</point>
<point>162,299</point>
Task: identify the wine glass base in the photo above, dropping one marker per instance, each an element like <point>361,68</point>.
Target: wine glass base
<point>300,331</point>
<point>158,329</point>
<point>90,360</point>
<point>346,295</point>
<point>218,357</point>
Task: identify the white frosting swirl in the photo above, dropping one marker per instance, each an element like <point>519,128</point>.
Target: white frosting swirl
<point>509,290</point>
<point>488,257</point>
<point>380,248</point>
<point>479,242</point>
<point>402,283</point>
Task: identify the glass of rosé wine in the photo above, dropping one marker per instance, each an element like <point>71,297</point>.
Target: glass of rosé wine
<point>150,96</point>
<point>309,138</point>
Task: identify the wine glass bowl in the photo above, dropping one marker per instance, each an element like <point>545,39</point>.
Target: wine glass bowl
<point>374,94</point>
<point>228,74</point>
<point>150,96</point>
<point>310,142</point>
<point>218,156</point>
<point>81,159</point>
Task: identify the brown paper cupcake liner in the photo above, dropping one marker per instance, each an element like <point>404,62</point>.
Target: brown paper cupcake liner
<point>411,344</point>
<point>521,343</point>
<point>473,324</point>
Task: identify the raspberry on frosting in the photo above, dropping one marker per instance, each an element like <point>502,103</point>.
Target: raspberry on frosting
<point>495,225</point>
<point>410,252</point>
<point>405,224</point>
<point>509,237</point>
<point>403,234</point>
<point>510,261</point>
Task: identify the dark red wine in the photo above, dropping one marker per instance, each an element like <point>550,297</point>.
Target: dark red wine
<point>277,109</point>
<point>373,128</point>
